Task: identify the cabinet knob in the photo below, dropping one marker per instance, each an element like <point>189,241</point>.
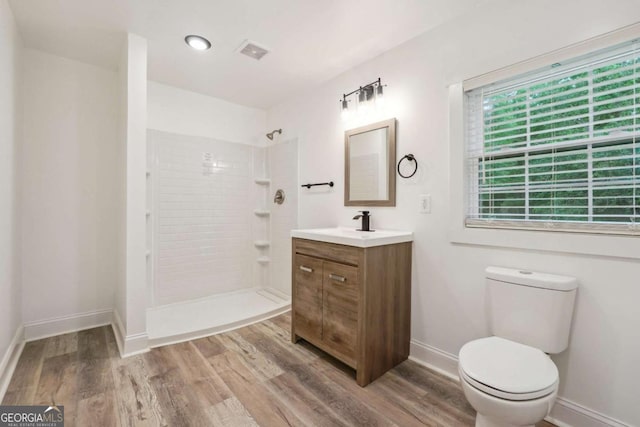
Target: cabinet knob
<point>306,269</point>
<point>337,278</point>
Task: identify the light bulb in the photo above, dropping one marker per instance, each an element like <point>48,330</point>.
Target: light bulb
<point>345,108</point>
<point>197,42</point>
<point>379,97</point>
<point>364,107</point>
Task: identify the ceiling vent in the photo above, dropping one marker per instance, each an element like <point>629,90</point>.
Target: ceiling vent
<point>252,50</point>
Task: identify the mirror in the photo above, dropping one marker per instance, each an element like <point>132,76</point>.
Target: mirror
<point>369,165</point>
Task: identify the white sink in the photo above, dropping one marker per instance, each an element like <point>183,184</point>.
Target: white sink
<point>351,237</point>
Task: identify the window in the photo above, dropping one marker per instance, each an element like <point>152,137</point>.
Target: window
<point>558,148</point>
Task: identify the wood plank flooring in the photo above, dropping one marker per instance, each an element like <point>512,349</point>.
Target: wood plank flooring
<point>253,376</point>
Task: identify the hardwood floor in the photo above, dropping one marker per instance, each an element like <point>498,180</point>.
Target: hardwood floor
<point>252,376</point>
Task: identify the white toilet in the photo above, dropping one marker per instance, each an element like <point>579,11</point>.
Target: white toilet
<point>508,378</point>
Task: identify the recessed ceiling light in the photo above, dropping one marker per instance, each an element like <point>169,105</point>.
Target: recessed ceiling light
<point>197,42</point>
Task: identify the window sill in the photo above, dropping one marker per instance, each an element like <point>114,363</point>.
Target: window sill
<point>601,245</point>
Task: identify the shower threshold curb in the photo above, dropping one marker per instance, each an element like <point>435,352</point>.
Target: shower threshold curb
<point>188,336</point>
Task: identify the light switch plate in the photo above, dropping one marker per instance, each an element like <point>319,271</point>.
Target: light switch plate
<point>424,203</point>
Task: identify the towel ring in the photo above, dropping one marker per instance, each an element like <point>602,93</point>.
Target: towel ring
<point>411,158</point>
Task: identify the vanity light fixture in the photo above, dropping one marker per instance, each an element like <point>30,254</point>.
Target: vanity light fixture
<point>345,109</point>
<point>379,94</point>
<point>366,95</point>
<point>197,42</point>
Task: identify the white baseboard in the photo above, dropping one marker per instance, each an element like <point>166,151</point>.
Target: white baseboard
<point>128,345</point>
<point>435,359</point>
<point>565,413</point>
<point>10,360</point>
<point>66,324</point>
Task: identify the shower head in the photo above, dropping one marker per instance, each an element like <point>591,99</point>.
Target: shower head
<point>272,134</point>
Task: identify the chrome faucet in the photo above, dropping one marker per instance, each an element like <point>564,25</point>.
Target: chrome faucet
<point>365,221</point>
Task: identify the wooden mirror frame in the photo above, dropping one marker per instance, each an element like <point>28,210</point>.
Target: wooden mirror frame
<point>391,163</point>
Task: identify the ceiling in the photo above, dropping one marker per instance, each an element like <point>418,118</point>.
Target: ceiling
<point>310,41</point>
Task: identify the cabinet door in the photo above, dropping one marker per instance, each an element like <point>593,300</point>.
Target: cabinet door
<point>340,309</point>
<point>307,297</point>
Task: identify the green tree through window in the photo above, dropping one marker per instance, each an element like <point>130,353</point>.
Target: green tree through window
<point>561,145</point>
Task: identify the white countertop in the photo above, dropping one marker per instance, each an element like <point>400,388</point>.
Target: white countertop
<point>351,237</point>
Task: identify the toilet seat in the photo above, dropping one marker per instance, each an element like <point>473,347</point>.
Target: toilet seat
<point>507,369</point>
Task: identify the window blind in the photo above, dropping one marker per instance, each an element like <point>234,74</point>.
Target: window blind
<point>558,148</point>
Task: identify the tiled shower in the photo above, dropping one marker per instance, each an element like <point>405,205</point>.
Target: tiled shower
<point>218,244</point>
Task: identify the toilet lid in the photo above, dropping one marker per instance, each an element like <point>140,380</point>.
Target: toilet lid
<point>508,369</point>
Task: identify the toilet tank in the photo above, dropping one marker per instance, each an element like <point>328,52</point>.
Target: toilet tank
<point>531,308</point>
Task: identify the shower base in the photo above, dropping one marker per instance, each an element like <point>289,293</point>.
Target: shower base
<point>189,320</point>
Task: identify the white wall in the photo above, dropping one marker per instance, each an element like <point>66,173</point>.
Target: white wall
<point>136,184</point>
<point>10,47</point>
<point>188,113</point>
<point>120,180</point>
<point>68,191</point>
<point>599,370</point>
<point>131,293</point>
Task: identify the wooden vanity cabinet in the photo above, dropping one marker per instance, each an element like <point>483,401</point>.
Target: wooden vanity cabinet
<point>354,303</point>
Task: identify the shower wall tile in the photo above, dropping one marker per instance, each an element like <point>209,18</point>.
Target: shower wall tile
<point>203,213</point>
<point>260,162</point>
<point>283,166</point>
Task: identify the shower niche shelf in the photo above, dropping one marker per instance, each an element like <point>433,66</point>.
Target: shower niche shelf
<point>262,181</point>
<point>261,244</point>
<point>263,260</point>
<point>262,212</point>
